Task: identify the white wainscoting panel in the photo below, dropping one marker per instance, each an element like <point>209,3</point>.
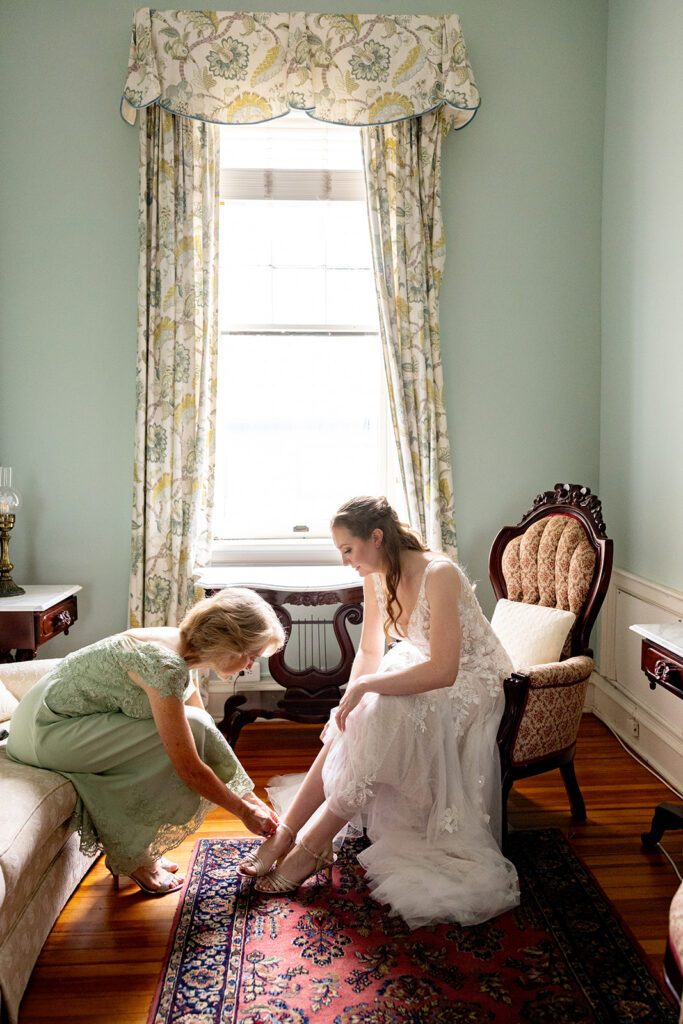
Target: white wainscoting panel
<point>649,721</point>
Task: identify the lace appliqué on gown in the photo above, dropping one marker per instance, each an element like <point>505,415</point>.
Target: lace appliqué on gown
<point>420,772</point>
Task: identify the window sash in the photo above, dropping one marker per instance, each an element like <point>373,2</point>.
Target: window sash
<point>255,166</point>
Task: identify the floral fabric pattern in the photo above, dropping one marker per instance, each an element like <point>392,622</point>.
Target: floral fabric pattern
<point>403,181</point>
<point>331,955</point>
<point>551,564</point>
<point>553,710</point>
<point>176,369</point>
<point>241,68</point>
<point>676,930</point>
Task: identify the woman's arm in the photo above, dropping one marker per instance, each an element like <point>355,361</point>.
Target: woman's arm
<point>176,735</point>
<point>441,669</point>
<point>371,646</point>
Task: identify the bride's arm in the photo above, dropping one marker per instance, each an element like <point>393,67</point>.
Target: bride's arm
<point>371,646</point>
<point>441,668</point>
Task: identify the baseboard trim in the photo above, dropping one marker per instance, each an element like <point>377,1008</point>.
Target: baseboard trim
<point>657,743</point>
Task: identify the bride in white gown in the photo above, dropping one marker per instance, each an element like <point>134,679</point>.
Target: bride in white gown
<point>410,753</point>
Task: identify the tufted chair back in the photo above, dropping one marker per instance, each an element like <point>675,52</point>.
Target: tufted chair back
<point>552,564</point>
<point>557,556</point>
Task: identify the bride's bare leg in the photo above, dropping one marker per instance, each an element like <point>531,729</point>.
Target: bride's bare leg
<point>300,862</point>
<point>308,799</point>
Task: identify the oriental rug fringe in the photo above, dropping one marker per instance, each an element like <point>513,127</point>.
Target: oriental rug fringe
<point>329,954</point>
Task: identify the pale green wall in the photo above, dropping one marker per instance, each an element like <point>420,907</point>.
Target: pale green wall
<point>641,457</point>
<point>520,314</point>
<point>68,167</point>
<point>520,304</point>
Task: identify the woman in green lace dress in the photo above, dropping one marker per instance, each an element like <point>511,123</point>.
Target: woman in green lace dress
<point>125,723</point>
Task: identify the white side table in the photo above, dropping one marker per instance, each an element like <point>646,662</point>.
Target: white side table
<point>31,619</point>
<point>662,663</point>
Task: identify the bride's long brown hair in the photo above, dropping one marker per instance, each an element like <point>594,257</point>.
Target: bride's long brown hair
<point>360,516</point>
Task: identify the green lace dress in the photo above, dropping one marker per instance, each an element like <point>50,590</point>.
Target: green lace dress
<point>89,721</point>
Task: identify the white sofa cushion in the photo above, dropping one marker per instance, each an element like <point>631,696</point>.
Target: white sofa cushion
<point>8,702</point>
<point>531,633</point>
<point>19,676</point>
<point>32,830</point>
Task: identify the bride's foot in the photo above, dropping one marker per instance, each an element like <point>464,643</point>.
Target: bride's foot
<point>259,863</point>
<point>299,864</point>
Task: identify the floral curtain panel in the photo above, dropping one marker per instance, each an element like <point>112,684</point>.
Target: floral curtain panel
<point>406,79</point>
<point>242,68</point>
<point>176,369</point>
<point>403,182</point>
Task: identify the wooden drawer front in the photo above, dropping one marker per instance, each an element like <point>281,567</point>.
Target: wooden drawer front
<point>57,620</point>
<point>662,667</point>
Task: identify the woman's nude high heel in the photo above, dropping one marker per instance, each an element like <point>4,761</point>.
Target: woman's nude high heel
<point>280,884</point>
<point>173,885</point>
<point>255,861</point>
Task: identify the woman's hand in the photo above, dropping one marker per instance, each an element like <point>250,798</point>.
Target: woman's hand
<point>257,816</point>
<point>353,696</point>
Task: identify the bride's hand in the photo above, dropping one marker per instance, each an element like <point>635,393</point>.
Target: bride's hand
<point>354,694</point>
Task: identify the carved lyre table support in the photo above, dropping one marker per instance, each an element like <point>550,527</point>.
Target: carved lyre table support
<point>311,686</point>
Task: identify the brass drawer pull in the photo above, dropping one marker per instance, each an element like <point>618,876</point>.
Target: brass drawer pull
<point>666,673</point>
<point>62,621</point>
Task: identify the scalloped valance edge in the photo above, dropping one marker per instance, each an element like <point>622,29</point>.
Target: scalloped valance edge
<point>241,68</point>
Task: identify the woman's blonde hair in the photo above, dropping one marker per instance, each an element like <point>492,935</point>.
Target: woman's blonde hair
<point>234,621</point>
<point>360,516</point>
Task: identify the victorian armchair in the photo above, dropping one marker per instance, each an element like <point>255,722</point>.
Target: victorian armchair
<point>673,958</point>
<point>557,557</point>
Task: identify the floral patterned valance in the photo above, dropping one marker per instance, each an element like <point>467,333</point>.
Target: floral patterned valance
<point>239,68</point>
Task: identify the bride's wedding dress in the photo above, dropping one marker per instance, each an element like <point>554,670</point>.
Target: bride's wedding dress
<point>421,774</point>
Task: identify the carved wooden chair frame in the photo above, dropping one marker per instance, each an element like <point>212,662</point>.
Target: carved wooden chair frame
<point>578,502</point>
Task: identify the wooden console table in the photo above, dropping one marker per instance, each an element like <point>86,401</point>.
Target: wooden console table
<point>31,619</point>
<point>311,688</point>
<point>662,662</point>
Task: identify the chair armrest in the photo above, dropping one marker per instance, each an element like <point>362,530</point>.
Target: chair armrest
<point>560,673</point>
<point>543,710</point>
<point>20,676</point>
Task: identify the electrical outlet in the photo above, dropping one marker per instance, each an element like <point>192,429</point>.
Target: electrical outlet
<point>250,675</point>
<point>634,728</point>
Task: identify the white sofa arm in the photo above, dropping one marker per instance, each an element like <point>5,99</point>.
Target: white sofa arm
<point>20,676</point>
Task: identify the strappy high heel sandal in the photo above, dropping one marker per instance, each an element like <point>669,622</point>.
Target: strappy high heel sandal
<point>173,885</point>
<point>255,861</point>
<point>280,884</point>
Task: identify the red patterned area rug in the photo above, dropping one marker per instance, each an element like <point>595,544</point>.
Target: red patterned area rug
<point>331,955</point>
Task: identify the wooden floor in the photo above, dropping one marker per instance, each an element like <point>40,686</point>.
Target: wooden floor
<point>101,962</point>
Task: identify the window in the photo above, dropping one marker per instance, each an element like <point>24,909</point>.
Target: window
<point>302,417</point>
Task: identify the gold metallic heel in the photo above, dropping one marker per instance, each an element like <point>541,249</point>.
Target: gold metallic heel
<point>255,861</point>
<point>280,885</point>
